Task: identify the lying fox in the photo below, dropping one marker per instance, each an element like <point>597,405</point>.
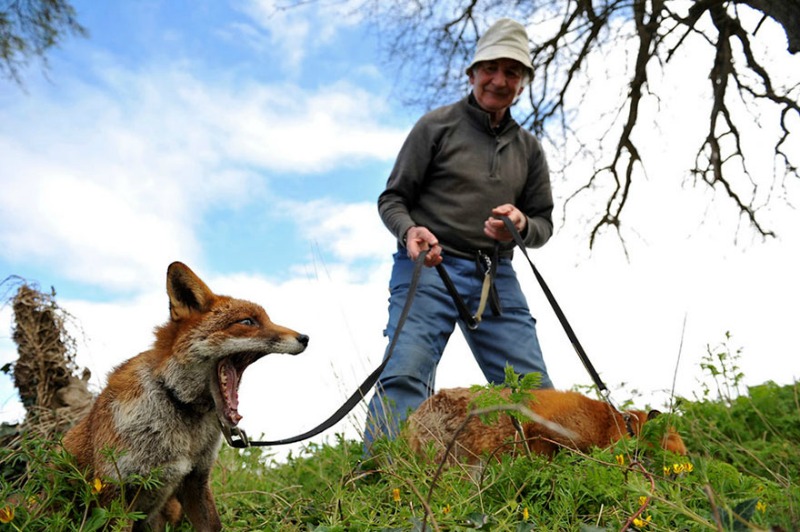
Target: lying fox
<point>165,409</point>
<point>580,423</point>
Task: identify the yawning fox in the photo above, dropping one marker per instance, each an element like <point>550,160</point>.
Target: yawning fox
<point>580,423</point>
<point>164,410</point>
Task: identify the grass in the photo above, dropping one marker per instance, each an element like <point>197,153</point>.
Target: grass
<point>742,473</point>
<point>729,482</point>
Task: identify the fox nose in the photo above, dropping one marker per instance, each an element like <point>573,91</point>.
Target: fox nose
<point>303,339</point>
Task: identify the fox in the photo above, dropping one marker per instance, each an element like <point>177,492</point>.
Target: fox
<point>569,420</point>
<point>165,409</point>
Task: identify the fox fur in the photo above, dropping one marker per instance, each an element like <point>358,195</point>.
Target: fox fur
<point>580,423</point>
<point>164,409</point>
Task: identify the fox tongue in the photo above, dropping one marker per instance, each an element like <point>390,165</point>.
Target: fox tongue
<point>229,389</point>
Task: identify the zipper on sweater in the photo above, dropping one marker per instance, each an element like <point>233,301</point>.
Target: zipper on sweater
<point>493,164</point>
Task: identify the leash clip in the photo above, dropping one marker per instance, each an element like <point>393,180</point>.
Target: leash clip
<point>486,261</point>
<point>236,437</point>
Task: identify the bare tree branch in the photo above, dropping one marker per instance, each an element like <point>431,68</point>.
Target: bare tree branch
<point>646,27</point>
<point>432,40</point>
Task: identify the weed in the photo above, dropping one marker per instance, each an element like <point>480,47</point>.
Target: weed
<point>742,472</point>
<point>48,492</point>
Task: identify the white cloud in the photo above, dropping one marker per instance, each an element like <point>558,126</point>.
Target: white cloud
<point>291,33</point>
<point>290,130</point>
<point>122,172</point>
<point>351,232</point>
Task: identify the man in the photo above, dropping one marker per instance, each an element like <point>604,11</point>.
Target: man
<point>462,166</point>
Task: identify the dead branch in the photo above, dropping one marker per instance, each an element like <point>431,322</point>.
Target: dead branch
<point>45,374</point>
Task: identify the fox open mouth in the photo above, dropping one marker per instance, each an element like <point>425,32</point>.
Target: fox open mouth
<point>229,372</point>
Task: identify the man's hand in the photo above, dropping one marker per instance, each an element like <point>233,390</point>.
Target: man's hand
<point>419,238</point>
<point>496,229</point>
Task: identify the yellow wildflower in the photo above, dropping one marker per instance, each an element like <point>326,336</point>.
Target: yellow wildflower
<point>620,459</point>
<point>642,500</point>
<point>97,486</point>
<point>641,523</point>
<point>396,494</point>
<point>6,514</point>
<point>525,514</point>
<point>679,469</point>
<point>761,506</point>
<point>446,509</point>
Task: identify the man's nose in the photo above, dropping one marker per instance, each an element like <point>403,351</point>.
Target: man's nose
<point>500,79</point>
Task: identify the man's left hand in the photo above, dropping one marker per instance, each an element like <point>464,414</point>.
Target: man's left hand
<point>494,227</point>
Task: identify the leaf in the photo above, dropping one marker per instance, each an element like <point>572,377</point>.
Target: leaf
<point>531,381</point>
<point>96,520</point>
<point>737,519</point>
<point>479,521</point>
<point>511,377</point>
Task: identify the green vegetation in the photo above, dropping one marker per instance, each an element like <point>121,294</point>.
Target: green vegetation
<point>742,473</point>
<point>30,29</point>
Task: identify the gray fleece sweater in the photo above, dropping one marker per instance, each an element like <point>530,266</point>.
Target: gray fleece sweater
<point>454,168</point>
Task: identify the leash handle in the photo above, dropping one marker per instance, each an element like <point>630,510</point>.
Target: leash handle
<point>237,438</point>
<point>556,308</point>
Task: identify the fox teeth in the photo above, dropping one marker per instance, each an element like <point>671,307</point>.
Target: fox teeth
<point>228,387</point>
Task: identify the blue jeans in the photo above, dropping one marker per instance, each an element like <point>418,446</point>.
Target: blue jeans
<point>410,375</point>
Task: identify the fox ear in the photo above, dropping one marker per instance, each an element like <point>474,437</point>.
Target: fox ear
<point>653,414</point>
<point>187,292</point>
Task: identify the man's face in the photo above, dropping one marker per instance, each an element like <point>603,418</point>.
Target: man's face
<point>497,83</point>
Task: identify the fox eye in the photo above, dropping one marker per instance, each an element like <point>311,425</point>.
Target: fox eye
<point>250,322</point>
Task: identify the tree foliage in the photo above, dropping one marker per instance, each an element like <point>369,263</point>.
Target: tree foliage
<point>571,40</point>
<point>29,29</point>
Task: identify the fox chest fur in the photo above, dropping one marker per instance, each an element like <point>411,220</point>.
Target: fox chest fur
<point>143,419</point>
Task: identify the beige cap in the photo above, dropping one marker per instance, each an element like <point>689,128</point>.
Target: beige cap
<point>507,39</point>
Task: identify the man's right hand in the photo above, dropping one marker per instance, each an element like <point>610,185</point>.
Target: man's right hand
<point>418,238</point>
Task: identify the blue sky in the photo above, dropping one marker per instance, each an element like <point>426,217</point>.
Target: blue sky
<point>251,143</point>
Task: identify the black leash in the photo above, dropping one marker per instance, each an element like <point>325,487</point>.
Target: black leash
<point>557,309</point>
<point>463,312</point>
<point>488,291</point>
<point>238,439</point>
